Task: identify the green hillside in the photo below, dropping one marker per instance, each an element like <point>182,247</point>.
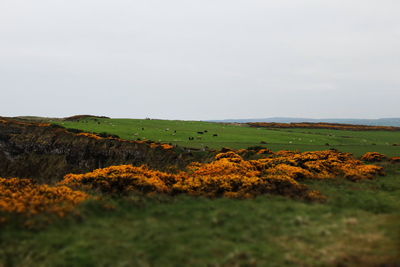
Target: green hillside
<point>239,136</point>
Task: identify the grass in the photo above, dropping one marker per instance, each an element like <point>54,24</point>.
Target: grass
<point>357,226</point>
<point>236,136</point>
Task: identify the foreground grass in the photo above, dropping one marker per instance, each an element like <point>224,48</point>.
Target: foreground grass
<point>357,226</point>
<point>236,137</point>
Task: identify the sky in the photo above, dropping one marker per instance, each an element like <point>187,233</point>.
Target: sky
<point>199,60</point>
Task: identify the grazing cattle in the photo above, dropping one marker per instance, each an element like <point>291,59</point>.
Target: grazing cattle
<point>200,133</point>
<point>191,138</point>
<point>175,131</point>
<point>215,134</point>
<point>205,131</point>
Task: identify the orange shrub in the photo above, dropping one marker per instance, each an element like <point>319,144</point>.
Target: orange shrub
<point>285,153</point>
<point>225,164</point>
<point>23,196</point>
<point>163,146</point>
<point>229,155</point>
<point>122,179</point>
<point>94,136</point>
<point>361,171</point>
<point>285,170</point>
<point>44,124</point>
<point>373,157</point>
<point>167,146</point>
<point>231,176</point>
<point>212,186</point>
<point>395,160</point>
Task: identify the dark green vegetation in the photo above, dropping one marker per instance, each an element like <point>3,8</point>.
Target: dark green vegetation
<point>358,226</point>
<point>238,136</point>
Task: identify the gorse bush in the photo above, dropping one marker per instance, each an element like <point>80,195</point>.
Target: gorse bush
<point>395,160</point>
<point>373,157</point>
<point>124,178</point>
<point>23,196</point>
<point>90,135</point>
<point>232,176</point>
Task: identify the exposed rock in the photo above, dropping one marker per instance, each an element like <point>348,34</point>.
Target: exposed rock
<point>47,152</point>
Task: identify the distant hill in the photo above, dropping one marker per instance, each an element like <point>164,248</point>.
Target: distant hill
<point>374,122</point>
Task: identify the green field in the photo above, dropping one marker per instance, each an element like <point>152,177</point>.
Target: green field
<point>237,136</point>
<point>358,226</point>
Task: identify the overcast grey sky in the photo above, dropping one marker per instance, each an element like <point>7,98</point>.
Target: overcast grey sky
<point>208,59</point>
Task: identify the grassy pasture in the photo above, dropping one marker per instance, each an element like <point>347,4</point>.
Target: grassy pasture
<point>236,136</point>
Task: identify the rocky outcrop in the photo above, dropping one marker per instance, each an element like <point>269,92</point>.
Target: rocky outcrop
<point>47,152</point>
